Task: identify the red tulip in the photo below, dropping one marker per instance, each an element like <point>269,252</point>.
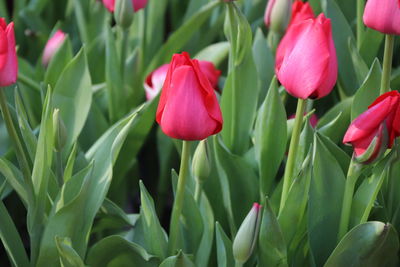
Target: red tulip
<point>52,46</point>
<point>307,67</point>
<point>137,4</point>
<point>155,80</point>
<point>374,131</point>
<point>383,16</point>
<point>188,107</point>
<point>8,54</point>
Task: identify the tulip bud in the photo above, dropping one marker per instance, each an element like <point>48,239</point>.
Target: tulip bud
<point>59,131</point>
<point>123,13</point>
<point>383,16</point>
<point>52,46</point>
<point>8,54</point>
<point>277,15</point>
<point>247,235</point>
<point>201,162</point>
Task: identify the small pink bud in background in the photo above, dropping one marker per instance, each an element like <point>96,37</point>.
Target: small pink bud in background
<point>52,46</point>
<point>383,16</point>
<point>137,4</point>
<point>277,15</point>
<point>8,54</point>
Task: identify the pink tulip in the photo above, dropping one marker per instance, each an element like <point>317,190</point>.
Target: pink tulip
<point>155,80</point>
<point>137,4</point>
<point>8,54</point>
<point>308,65</point>
<point>52,46</point>
<point>383,16</point>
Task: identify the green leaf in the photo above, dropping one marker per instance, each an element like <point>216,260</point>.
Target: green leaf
<point>368,245</point>
<point>11,240</point>
<point>324,205</point>
<point>224,248</point>
<point>180,260</point>
<point>371,44</point>
<point>270,137</point>
<point>73,96</point>
<point>271,244</point>
<point>360,67</point>
<point>80,212</point>
<point>154,235</point>
<point>342,157</point>
<point>368,92</point>
<point>68,256</point>
<point>14,177</point>
<point>216,53</point>
<point>113,247</point>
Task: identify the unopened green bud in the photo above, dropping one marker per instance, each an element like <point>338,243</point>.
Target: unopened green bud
<point>124,13</point>
<point>277,15</point>
<point>59,131</point>
<point>201,165</point>
<point>247,236</point>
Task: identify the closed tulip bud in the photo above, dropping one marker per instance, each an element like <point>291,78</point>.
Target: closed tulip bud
<point>306,62</point>
<point>155,80</point>
<point>136,4</point>
<point>8,54</point>
<point>383,16</point>
<point>374,131</point>
<point>277,15</point>
<point>247,236</point>
<point>123,13</point>
<point>59,131</point>
<point>201,165</point>
<point>301,11</point>
<point>52,46</point>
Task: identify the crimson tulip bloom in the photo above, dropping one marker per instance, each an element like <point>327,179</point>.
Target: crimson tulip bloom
<point>383,16</point>
<point>374,131</point>
<point>307,65</point>
<point>137,4</point>
<point>52,46</point>
<point>188,107</point>
<point>8,54</point>
<point>155,80</point>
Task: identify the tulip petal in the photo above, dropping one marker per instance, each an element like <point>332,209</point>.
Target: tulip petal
<point>9,72</point>
<point>383,16</point>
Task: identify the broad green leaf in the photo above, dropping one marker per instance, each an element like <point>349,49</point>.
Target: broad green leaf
<point>342,157</point>
<point>224,248</point>
<point>68,256</point>
<point>368,92</point>
<point>371,44</point>
<point>236,176</point>
<point>180,260</point>
<point>154,236</point>
<point>216,53</point>
<point>113,247</point>
<point>14,177</point>
<point>272,249</point>
<point>80,212</point>
<point>324,205</point>
<point>73,96</point>
<point>11,239</point>
<point>155,20</point>
<point>368,245</point>
<point>270,137</point>
<point>360,68</point>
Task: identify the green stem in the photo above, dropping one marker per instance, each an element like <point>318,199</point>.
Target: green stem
<point>387,63</point>
<point>60,171</point>
<point>19,151</point>
<point>294,142</point>
<point>360,23</point>
<point>197,192</point>
<point>124,45</point>
<point>179,197</point>
<point>352,176</point>
<point>238,264</point>
<point>28,81</point>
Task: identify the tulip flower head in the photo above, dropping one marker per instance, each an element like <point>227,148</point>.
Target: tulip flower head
<point>301,11</point>
<point>383,16</point>
<point>374,131</point>
<point>188,107</point>
<point>306,62</point>
<point>277,15</point>
<point>137,4</point>
<point>247,235</point>
<point>8,54</point>
<point>155,80</point>
<point>52,46</point>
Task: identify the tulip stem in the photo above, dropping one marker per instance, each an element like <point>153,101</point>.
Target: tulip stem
<point>19,151</point>
<point>294,142</point>
<point>360,23</point>
<point>179,197</point>
<point>197,191</point>
<point>352,176</point>
<point>387,63</point>
<point>124,45</point>
<point>238,264</point>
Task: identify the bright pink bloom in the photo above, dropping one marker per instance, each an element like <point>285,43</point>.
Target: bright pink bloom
<point>137,4</point>
<point>383,16</point>
<point>188,107</point>
<point>52,46</point>
<point>8,54</point>
<point>308,65</point>
<point>155,80</point>
<point>375,130</point>
<point>313,119</point>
